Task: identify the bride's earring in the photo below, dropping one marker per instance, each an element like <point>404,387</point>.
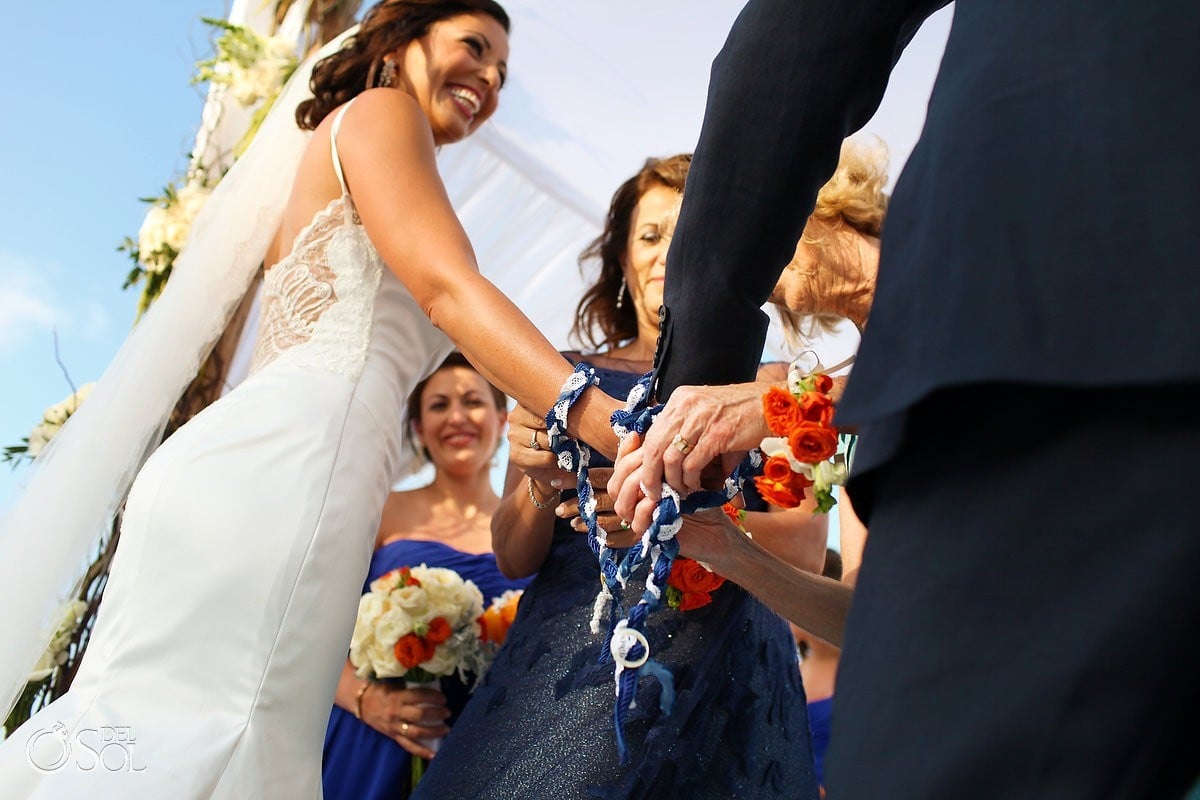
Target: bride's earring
<point>387,73</point>
<point>621,294</point>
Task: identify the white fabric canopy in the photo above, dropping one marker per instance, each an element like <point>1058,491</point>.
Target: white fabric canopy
<point>594,89</point>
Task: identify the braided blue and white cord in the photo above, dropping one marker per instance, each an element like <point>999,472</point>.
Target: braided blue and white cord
<point>626,640</point>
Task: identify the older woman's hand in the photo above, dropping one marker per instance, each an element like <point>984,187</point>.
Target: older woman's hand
<point>409,717</point>
<point>698,425</point>
<point>529,450</point>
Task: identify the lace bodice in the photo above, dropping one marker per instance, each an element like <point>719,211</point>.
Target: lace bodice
<point>317,301</point>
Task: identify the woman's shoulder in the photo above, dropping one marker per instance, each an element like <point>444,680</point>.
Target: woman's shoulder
<point>403,512</point>
<point>379,108</point>
<point>378,122</point>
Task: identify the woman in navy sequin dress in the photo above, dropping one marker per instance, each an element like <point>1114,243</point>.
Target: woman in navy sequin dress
<point>541,723</point>
<point>458,418</point>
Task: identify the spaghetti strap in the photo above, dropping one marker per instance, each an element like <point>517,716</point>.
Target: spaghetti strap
<point>337,162</point>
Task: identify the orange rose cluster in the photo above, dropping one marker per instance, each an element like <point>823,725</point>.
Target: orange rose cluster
<point>692,584</point>
<point>412,650</point>
<point>498,618</point>
<point>805,421</point>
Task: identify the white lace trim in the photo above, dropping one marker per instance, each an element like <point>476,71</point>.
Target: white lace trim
<point>318,301</point>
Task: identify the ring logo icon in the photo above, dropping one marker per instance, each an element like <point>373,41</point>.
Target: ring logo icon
<point>108,748</point>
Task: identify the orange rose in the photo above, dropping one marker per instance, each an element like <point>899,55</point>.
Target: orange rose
<point>410,651</point>
<point>816,407</point>
<point>812,443</point>
<point>508,612</point>
<point>822,382</point>
<point>778,469</point>
<point>496,621</point>
<point>691,576</point>
<point>734,513</point>
<point>777,493</point>
<point>491,626</point>
<point>691,600</point>
<point>439,631</point>
<point>781,410</point>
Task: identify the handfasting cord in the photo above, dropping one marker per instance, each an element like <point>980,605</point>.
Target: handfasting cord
<point>626,638</point>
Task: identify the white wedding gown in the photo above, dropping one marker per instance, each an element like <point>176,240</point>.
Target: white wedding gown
<point>212,675</point>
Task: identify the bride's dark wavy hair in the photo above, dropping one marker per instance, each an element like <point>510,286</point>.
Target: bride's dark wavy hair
<point>599,324</point>
<point>386,28</point>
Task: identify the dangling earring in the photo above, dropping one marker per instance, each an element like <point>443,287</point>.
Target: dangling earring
<point>621,294</point>
<point>387,73</point>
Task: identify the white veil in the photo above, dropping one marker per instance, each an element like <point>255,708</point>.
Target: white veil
<point>79,481</point>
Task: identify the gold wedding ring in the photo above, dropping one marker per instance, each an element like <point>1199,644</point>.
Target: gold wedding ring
<point>681,444</point>
<point>404,726</point>
<point>534,444</point>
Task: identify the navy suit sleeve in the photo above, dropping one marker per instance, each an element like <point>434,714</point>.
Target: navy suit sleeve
<point>794,78</point>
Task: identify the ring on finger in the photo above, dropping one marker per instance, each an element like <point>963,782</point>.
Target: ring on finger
<point>534,444</point>
<point>681,444</point>
<point>624,525</point>
<point>404,726</point>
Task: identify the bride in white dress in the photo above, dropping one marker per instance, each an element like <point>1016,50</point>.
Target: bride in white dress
<point>247,535</point>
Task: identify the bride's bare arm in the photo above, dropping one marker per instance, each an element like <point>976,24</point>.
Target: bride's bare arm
<point>388,158</point>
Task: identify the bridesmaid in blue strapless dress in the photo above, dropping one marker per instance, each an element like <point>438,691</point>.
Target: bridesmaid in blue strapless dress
<point>541,723</point>
<point>459,418</point>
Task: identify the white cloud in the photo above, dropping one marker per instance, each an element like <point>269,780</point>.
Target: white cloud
<point>30,305</point>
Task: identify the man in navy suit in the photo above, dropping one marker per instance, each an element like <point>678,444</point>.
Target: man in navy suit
<point>1027,390</point>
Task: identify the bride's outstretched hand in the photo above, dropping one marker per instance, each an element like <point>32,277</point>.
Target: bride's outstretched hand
<point>409,717</point>
<point>618,532</point>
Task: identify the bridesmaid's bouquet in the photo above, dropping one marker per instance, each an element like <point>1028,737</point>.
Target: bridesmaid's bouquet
<point>419,624</point>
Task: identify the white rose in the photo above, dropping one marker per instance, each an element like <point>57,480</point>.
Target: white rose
<point>39,437</point>
<point>826,474</point>
<point>383,660</point>
<point>152,236</point>
<point>278,49</point>
<point>444,661</point>
<point>175,232</point>
<point>413,599</point>
<point>392,625</point>
<point>190,198</point>
<point>451,612</point>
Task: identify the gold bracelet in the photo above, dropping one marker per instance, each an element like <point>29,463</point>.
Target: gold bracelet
<point>539,504</point>
<point>358,699</point>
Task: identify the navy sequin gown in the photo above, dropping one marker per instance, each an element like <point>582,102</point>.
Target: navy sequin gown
<point>540,725</point>
<point>359,763</point>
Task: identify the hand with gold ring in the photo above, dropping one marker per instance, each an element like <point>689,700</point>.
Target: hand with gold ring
<point>697,425</point>
<point>410,717</point>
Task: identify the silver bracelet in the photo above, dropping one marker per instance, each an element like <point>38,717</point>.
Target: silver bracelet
<point>532,496</point>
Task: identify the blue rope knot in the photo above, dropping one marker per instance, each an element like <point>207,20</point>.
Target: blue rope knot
<point>625,640</point>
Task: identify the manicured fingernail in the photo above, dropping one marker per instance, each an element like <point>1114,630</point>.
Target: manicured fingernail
<point>556,483</point>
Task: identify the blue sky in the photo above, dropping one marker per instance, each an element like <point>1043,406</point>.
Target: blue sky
<point>98,112</point>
